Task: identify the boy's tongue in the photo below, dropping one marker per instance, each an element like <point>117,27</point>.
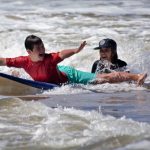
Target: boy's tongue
<point>41,55</point>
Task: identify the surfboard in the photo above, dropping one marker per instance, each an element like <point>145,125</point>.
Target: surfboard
<point>10,85</point>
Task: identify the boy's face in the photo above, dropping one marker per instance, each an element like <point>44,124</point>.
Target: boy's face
<point>38,52</point>
<point>105,54</point>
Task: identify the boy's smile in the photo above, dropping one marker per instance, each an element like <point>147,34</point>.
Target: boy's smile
<point>38,52</point>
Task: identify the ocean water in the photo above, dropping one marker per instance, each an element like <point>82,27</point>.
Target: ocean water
<point>77,117</point>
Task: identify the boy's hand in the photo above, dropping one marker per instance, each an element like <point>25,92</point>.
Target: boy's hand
<point>2,61</point>
<point>15,73</point>
<point>69,52</point>
<point>81,46</point>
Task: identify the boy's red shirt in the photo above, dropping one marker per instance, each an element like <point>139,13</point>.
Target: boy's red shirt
<point>45,71</point>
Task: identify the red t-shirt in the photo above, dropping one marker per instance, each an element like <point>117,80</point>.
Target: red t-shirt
<point>45,71</point>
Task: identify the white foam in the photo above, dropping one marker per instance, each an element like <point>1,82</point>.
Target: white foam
<point>76,127</point>
<point>64,27</point>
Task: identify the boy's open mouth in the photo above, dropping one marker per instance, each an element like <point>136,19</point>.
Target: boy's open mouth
<point>41,55</point>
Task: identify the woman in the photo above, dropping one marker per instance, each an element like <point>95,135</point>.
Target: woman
<point>108,61</point>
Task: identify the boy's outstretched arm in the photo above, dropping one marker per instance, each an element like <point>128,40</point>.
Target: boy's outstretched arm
<point>69,52</point>
<point>2,61</point>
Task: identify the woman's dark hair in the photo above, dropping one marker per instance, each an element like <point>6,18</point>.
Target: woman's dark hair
<point>109,43</point>
<point>114,55</point>
<point>32,40</point>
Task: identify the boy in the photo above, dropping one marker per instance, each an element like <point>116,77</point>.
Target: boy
<point>43,67</point>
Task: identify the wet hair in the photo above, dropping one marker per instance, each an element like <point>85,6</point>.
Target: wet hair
<point>109,43</point>
<point>32,40</point>
<point>114,55</point>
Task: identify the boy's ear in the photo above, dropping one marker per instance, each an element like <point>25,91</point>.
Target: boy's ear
<point>29,51</point>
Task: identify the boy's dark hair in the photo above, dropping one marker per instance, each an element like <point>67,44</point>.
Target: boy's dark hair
<point>32,40</point>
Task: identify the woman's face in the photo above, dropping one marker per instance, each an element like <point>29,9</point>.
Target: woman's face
<point>105,54</point>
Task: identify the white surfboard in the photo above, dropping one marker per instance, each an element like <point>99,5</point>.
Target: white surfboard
<point>10,85</point>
